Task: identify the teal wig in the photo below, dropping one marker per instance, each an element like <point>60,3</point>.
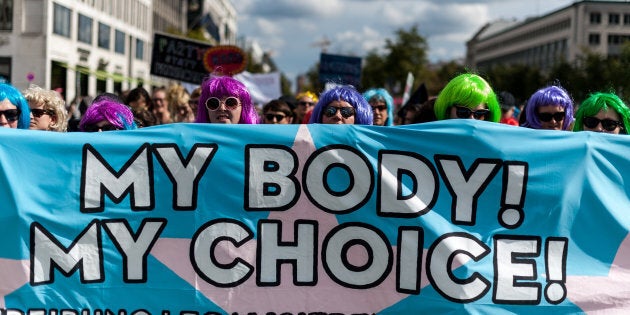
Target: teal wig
<point>8,92</point>
<point>467,90</point>
<point>382,94</point>
<point>602,101</point>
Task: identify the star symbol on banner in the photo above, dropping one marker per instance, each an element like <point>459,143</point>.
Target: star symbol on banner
<point>247,297</point>
<point>608,294</point>
<point>13,274</point>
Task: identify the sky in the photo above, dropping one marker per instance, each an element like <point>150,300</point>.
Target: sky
<point>291,29</point>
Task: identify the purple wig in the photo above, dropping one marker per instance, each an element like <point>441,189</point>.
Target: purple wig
<point>115,113</point>
<point>549,96</point>
<point>221,87</point>
<point>347,93</point>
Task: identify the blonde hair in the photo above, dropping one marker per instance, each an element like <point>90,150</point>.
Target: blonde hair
<point>51,101</point>
<point>309,94</point>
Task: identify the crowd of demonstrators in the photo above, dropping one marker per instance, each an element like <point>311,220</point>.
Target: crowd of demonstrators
<point>223,99</point>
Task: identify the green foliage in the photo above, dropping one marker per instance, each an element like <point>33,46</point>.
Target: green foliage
<point>406,53</point>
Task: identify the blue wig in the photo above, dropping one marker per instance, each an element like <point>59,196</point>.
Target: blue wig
<point>347,93</point>
<point>8,92</point>
<point>382,94</point>
<point>548,96</point>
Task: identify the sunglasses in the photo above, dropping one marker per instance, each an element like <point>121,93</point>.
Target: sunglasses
<point>607,124</point>
<point>95,128</point>
<point>546,117</point>
<point>231,103</point>
<point>380,108</point>
<point>38,112</point>
<point>465,112</point>
<point>305,103</point>
<point>346,112</point>
<point>10,114</point>
<point>270,117</point>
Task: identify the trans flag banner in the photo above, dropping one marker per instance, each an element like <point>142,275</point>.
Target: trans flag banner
<point>191,219</point>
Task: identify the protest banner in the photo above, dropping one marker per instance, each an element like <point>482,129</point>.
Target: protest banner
<point>450,216</point>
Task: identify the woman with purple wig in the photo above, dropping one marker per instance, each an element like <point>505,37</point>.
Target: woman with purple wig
<point>225,100</point>
<point>106,115</point>
<point>342,105</point>
<point>549,108</point>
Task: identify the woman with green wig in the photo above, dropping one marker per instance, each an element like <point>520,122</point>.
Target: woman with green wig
<point>603,112</point>
<point>468,96</point>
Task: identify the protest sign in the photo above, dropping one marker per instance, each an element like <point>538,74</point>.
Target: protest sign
<point>263,87</point>
<point>340,69</point>
<point>448,216</point>
<point>192,61</point>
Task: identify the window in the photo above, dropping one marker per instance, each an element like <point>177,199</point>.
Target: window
<point>104,35</point>
<point>626,19</point>
<point>5,69</point>
<point>613,19</point>
<point>593,39</point>
<point>596,18</point>
<point>119,42</point>
<point>139,49</point>
<point>61,20</point>
<point>6,15</point>
<point>85,29</point>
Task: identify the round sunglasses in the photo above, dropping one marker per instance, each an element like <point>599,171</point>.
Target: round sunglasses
<point>231,103</point>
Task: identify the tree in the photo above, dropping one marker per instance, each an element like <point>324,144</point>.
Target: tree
<point>406,53</point>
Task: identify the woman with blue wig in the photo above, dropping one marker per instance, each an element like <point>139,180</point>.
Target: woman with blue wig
<point>549,108</point>
<point>342,105</point>
<point>467,96</point>
<point>382,104</point>
<point>225,100</point>
<point>107,115</point>
<point>14,110</point>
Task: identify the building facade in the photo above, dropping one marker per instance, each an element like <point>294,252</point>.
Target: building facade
<point>87,47</point>
<point>563,35</point>
<point>80,47</point>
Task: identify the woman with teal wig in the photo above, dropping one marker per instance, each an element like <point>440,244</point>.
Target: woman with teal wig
<point>14,110</point>
<point>467,96</point>
<point>603,112</point>
<point>382,106</point>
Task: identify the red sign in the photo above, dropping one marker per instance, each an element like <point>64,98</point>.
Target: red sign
<point>224,60</point>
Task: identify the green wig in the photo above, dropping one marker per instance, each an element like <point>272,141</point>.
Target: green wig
<point>602,101</point>
<point>468,90</point>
